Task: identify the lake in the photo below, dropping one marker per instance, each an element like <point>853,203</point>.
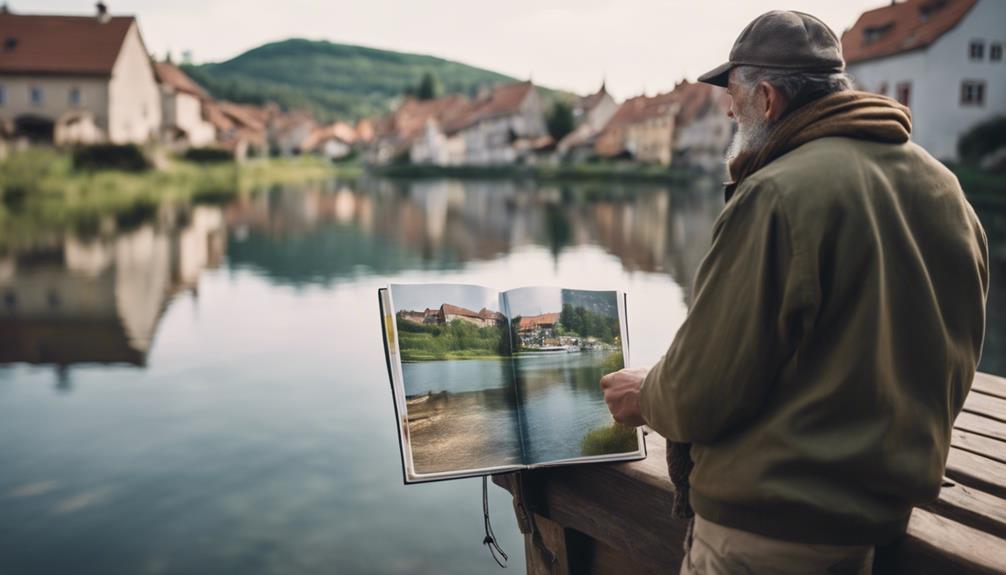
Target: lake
<point>203,389</point>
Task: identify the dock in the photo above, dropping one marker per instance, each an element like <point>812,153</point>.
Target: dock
<point>616,518</point>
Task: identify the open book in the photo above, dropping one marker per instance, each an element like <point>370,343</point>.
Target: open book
<point>488,382</point>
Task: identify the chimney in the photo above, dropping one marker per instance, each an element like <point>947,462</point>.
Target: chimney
<point>103,15</point>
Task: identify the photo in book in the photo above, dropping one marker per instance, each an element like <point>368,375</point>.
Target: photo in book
<point>488,382</point>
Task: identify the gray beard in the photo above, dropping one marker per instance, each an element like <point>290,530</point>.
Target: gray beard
<point>751,135</point>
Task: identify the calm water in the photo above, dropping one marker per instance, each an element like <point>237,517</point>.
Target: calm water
<point>205,392</point>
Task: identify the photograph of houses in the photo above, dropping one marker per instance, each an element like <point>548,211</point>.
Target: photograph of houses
<point>564,341</point>
<point>460,402</point>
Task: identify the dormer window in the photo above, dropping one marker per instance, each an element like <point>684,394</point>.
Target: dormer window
<point>874,33</point>
<point>976,50</point>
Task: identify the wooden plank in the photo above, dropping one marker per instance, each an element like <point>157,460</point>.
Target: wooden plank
<point>989,385</point>
<point>977,471</point>
<point>979,444</point>
<point>937,545</point>
<point>986,406</point>
<point>546,553</point>
<point>981,425</point>
<point>971,507</point>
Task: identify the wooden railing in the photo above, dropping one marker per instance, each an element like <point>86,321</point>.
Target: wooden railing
<point>616,518</point>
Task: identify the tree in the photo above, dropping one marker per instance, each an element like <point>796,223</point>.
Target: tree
<point>428,88</point>
<point>560,120</point>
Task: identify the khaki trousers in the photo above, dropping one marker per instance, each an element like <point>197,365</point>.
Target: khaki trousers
<point>713,549</point>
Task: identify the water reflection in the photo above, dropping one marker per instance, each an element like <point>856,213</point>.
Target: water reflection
<point>99,299</point>
<point>257,434</point>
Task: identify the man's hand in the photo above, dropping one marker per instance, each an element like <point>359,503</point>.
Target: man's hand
<point>621,393</point>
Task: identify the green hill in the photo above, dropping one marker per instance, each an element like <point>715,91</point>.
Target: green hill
<point>332,80</point>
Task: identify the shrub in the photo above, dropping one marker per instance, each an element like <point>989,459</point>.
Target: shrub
<point>207,155</point>
<point>125,157</point>
<point>982,140</point>
<point>615,438</point>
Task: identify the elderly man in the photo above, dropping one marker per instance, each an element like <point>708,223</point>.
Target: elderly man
<point>836,324</point>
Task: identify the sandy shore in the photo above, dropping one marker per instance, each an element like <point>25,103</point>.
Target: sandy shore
<point>469,430</point>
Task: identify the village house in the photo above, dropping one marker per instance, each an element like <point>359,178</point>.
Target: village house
<point>448,313</point>
<point>396,135</point>
<point>703,130</point>
<point>77,79</point>
<point>642,130</point>
<point>591,113</point>
<point>288,131</point>
<point>333,141</point>
<point>942,58</point>
<point>182,107</point>
<point>502,125</point>
<point>239,128</point>
<point>537,330</point>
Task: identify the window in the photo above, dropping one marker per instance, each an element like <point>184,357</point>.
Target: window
<point>75,97</point>
<point>3,95</point>
<point>996,52</point>
<point>35,95</point>
<point>903,93</point>
<point>976,49</point>
<point>973,93</point>
<point>882,90</point>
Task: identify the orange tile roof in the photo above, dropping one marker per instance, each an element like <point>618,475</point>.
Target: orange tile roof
<point>171,75</point>
<point>44,44</point>
<point>901,27</point>
<point>214,115</point>
<point>501,100</point>
<point>410,119</point>
<point>531,321</point>
<point>457,310</point>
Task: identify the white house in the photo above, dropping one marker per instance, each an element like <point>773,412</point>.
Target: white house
<point>501,124</point>
<point>591,114</point>
<point>77,78</point>
<point>182,107</point>
<point>942,58</point>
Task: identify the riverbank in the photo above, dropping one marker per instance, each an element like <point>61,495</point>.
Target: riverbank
<point>41,191</point>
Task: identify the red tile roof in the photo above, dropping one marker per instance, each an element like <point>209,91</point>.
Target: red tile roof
<point>531,321</point>
<point>457,310</point>
<point>171,75</point>
<point>410,119</point>
<point>61,44</point>
<point>501,101</point>
<point>901,27</point>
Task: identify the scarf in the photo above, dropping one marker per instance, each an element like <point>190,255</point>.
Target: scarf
<point>848,114</point>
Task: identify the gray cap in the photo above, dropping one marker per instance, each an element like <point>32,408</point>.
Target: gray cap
<point>782,39</point>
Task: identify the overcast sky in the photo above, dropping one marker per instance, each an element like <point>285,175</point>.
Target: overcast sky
<point>638,45</point>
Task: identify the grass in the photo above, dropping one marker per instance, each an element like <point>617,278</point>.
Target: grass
<point>615,438</point>
<point>41,192</point>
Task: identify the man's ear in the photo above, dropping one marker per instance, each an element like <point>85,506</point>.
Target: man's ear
<point>773,100</point>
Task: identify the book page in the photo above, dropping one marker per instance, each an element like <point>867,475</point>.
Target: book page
<point>564,341</point>
<point>455,390</point>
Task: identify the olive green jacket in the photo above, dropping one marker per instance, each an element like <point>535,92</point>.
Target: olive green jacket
<point>835,329</point>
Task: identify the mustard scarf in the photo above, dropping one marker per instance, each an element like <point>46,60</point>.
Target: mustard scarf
<point>848,114</point>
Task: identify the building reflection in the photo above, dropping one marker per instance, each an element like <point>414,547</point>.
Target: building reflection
<point>99,300</point>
